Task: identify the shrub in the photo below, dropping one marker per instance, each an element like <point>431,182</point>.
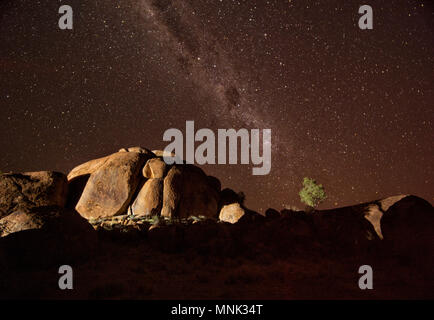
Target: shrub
<point>312,194</point>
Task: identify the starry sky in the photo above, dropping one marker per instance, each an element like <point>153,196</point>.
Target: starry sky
<point>351,108</point>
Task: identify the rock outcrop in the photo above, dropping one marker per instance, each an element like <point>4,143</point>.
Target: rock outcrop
<point>33,220</point>
<point>390,219</point>
<point>136,183</point>
<point>113,185</point>
<point>57,219</point>
<point>45,236</point>
<point>21,220</point>
<point>23,191</point>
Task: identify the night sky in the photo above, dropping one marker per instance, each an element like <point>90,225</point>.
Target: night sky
<point>351,108</point>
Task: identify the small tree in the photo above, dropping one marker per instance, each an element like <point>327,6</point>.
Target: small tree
<point>312,194</point>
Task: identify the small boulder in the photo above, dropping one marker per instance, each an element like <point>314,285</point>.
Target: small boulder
<point>231,213</point>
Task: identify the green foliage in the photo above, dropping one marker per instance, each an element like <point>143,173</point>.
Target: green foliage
<point>154,220</point>
<point>312,193</point>
<point>196,218</point>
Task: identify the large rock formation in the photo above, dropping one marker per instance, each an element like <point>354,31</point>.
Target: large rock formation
<point>23,191</point>
<point>34,202</point>
<point>113,185</point>
<point>110,188</point>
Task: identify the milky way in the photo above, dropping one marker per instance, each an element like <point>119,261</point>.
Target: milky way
<point>204,61</point>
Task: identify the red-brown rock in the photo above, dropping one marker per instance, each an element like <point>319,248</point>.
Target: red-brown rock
<point>188,192</point>
<point>110,189</point>
<point>31,189</point>
<point>149,201</point>
<point>155,168</point>
<point>231,213</point>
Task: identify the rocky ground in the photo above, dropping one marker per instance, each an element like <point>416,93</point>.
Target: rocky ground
<point>133,228</point>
